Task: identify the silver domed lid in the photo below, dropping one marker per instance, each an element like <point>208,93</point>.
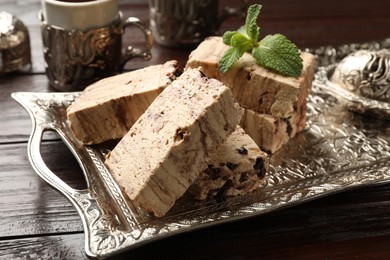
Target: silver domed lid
<point>361,81</point>
<point>365,73</point>
<point>15,50</point>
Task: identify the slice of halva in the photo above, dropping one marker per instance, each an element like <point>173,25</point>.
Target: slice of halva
<point>170,144</point>
<point>108,108</point>
<point>253,86</point>
<point>237,167</point>
<point>271,133</point>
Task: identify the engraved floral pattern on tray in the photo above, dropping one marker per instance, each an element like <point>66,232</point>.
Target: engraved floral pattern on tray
<point>337,151</point>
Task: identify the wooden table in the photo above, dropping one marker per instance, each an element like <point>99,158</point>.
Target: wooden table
<point>37,222</point>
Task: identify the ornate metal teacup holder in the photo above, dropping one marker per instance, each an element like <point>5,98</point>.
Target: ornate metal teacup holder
<point>361,81</point>
<point>75,59</point>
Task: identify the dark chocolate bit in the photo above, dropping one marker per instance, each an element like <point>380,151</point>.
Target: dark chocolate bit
<point>244,177</point>
<point>263,96</point>
<point>289,128</point>
<point>216,170</point>
<point>242,150</point>
<point>231,166</point>
<point>178,71</point>
<point>259,164</point>
<point>259,167</point>
<point>202,74</point>
<point>213,172</point>
<point>180,135</point>
<point>261,173</point>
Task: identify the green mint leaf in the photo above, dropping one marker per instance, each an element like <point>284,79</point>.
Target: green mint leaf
<point>241,42</point>
<point>230,56</point>
<point>251,27</point>
<point>279,54</point>
<point>227,37</point>
<point>274,52</point>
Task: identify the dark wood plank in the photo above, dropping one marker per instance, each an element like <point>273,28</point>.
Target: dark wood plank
<point>15,122</point>
<point>28,206</point>
<point>46,247</point>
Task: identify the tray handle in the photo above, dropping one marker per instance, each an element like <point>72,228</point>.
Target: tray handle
<point>107,231</point>
<point>40,167</point>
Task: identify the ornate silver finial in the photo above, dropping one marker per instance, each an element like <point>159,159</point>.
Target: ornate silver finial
<point>15,50</point>
<point>365,73</point>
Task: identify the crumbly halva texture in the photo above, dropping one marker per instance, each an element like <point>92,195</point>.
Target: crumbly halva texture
<point>170,144</point>
<point>253,86</point>
<point>240,180</point>
<point>271,133</point>
<point>108,108</point>
<point>275,106</point>
<point>237,167</point>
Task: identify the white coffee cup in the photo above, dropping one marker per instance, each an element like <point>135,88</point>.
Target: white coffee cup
<point>82,41</point>
<point>79,15</point>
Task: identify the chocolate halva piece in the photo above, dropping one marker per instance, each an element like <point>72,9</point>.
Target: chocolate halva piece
<point>170,144</point>
<point>253,86</point>
<point>275,105</point>
<point>237,167</point>
<point>108,108</point>
<point>271,133</point>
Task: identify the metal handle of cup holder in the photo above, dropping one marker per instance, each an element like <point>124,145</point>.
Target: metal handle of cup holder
<point>132,52</point>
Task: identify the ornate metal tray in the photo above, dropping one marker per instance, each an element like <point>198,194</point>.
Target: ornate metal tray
<point>338,151</point>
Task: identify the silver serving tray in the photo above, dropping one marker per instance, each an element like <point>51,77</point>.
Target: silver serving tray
<point>338,151</point>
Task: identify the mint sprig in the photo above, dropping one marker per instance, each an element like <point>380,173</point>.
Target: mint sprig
<point>274,52</point>
<point>251,27</point>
